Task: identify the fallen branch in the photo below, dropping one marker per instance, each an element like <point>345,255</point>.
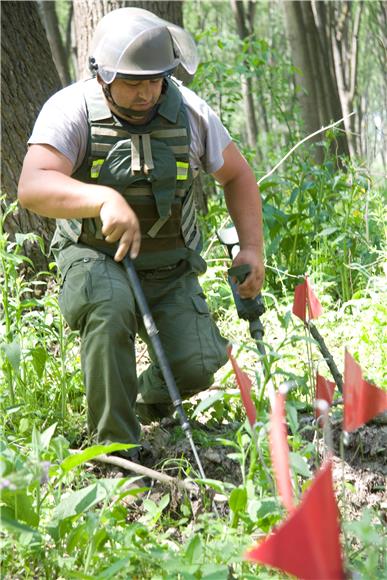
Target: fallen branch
<point>300,143</point>
<point>182,484</point>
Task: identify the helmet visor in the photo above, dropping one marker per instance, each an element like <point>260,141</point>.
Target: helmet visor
<point>185,47</point>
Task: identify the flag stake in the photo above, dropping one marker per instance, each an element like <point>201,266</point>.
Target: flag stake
<point>306,306</point>
<point>337,377</point>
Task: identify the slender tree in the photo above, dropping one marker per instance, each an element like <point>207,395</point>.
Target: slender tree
<point>302,60</point>
<point>345,21</point>
<point>28,76</point>
<point>371,98</point>
<point>51,25</point>
<point>244,17</point>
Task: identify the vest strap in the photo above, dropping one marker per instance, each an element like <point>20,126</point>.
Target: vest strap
<point>148,159</point>
<point>100,148</point>
<point>140,191</point>
<point>154,230</point>
<point>179,149</point>
<point>108,131</point>
<point>147,191</point>
<point>165,133</point>
<point>136,163</point>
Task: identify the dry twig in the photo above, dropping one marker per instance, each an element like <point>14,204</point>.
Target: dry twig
<point>183,484</point>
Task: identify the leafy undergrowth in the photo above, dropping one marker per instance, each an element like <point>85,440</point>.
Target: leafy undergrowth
<point>64,517</point>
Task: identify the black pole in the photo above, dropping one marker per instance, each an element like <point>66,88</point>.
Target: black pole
<point>153,334</point>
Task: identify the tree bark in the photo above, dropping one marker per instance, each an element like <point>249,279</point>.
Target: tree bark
<point>332,106</point>
<point>245,26</point>
<point>310,28</point>
<point>26,55</point>
<point>344,30</point>
<point>328,81</point>
<point>307,95</point>
<point>50,21</point>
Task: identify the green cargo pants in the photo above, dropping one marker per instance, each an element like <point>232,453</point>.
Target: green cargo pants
<point>96,299</point>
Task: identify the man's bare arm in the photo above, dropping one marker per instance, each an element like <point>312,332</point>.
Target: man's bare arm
<point>244,204</point>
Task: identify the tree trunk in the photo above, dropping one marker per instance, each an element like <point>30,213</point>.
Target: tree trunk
<point>310,42</point>
<point>304,76</point>
<point>344,30</point>
<point>29,77</point>
<point>245,26</point>
<point>50,21</point>
<point>316,16</point>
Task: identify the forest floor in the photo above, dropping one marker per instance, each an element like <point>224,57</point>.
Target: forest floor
<point>359,462</point>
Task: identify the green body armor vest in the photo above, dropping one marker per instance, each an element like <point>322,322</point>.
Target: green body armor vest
<point>149,166</point>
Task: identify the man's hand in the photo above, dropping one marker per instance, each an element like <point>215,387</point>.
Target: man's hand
<point>47,188</point>
<point>120,224</point>
<point>252,286</point>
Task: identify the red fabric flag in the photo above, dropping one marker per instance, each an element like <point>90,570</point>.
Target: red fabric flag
<point>362,401</point>
<point>244,385</point>
<point>303,297</point>
<point>307,544</point>
<point>324,390</point>
<point>279,451</point>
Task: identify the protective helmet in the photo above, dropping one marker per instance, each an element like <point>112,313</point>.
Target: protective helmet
<point>135,43</point>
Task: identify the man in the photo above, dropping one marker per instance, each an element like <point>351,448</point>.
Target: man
<point>113,159</point>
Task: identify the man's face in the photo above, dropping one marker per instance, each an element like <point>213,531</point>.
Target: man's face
<point>139,95</point>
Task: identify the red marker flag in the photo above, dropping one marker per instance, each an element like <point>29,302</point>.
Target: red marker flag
<point>362,401</point>
<point>279,451</point>
<point>244,385</point>
<point>324,390</point>
<point>303,297</point>
<point>307,544</point>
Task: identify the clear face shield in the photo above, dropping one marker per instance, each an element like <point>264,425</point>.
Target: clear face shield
<point>155,46</point>
<point>186,48</point>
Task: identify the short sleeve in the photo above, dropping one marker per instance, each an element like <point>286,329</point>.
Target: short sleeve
<point>62,123</point>
<point>209,137</point>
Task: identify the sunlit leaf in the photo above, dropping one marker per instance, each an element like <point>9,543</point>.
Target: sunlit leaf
<point>299,465</point>
<point>13,353</point>
<point>47,435</point>
<point>84,499</point>
<point>208,402</point>
<point>194,552</point>
<point>238,499</point>
<point>15,526</point>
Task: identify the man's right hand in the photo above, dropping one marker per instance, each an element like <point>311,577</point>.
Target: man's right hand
<point>47,188</point>
<point>120,224</point>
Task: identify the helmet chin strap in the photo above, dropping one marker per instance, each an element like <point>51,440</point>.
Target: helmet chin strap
<point>126,111</point>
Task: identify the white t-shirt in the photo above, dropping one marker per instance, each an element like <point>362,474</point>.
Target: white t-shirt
<point>62,123</point>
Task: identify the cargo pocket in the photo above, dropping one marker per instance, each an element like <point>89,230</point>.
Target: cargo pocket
<point>212,344</point>
<point>85,284</point>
